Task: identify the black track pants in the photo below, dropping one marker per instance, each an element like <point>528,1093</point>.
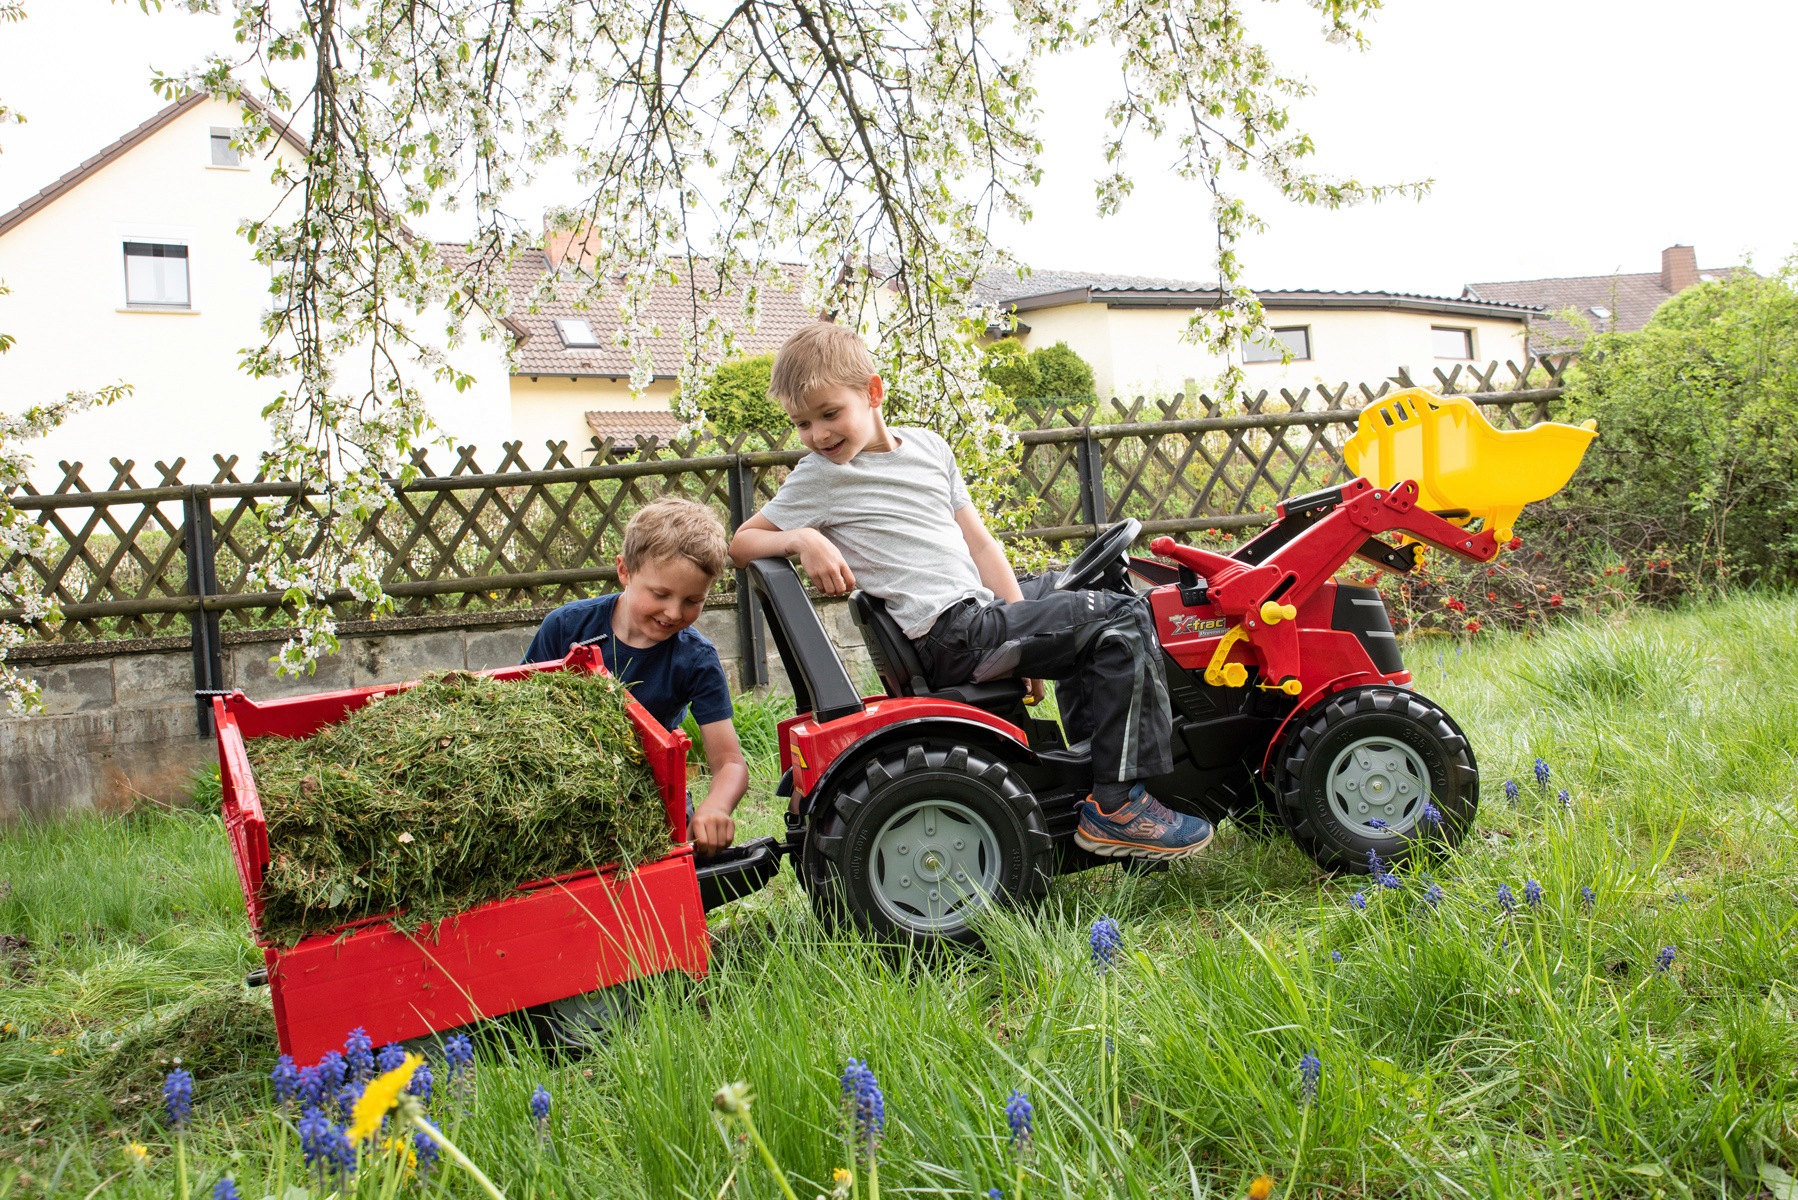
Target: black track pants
<point>1098,647</point>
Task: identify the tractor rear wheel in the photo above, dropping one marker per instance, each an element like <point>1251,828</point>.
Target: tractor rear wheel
<point>1380,769</point>
<point>923,837</point>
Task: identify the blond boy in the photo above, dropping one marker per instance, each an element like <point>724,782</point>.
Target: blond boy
<point>674,551</point>
<point>887,510</point>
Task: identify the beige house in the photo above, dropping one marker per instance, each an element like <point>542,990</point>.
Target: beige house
<point>130,267</point>
<point>1132,331</point>
<point>570,383</point>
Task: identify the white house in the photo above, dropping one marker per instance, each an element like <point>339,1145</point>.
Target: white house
<point>1130,329</point>
<point>130,268</point>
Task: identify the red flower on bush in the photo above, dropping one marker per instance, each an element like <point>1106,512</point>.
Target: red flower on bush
<point>1453,605</point>
<point>1516,543</point>
<point>1492,596</point>
<point>1554,601</point>
<point>1473,626</point>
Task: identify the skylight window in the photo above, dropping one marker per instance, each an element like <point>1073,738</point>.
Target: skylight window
<point>576,334</point>
<point>1603,314</point>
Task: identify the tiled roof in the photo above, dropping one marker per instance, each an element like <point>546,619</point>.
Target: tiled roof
<point>1630,299</point>
<point>1049,289</point>
<point>542,352</point>
<point>33,204</point>
<point>628,425</point>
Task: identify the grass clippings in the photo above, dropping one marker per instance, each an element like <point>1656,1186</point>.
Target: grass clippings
<point>450,794</point>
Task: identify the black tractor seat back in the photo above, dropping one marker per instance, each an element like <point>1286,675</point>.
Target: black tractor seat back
<point>902,671</point>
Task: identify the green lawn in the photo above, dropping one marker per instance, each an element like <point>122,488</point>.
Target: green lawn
<point>1463,1052</point>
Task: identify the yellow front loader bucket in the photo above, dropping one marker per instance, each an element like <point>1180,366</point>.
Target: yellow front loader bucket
<point>1459,461</point>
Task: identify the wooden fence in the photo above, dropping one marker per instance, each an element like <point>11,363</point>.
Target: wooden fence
<point>161,556</point>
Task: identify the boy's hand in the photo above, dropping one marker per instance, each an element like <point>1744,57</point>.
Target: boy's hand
<point>1034,691</point>
<point>712,830</point>
<point>824,564</point>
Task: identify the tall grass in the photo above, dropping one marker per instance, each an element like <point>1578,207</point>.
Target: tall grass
<point>1465,1051</point>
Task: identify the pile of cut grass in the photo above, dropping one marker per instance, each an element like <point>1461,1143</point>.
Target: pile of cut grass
<point>451,794</point>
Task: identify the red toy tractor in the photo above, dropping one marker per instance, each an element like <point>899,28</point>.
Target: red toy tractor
<point>1292,707</point>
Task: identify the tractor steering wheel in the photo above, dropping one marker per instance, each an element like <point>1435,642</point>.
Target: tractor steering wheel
<point>1104,552</point>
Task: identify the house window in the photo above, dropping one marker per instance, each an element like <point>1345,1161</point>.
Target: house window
<point>224,154</point>
<point>1294,338</point>
<point>576,333</point>
<point>155,275</point>
<point>1452,343</point>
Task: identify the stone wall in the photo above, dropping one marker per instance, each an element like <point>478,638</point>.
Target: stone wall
<point>119,727</point>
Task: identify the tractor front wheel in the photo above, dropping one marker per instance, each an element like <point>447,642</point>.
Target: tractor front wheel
<point>923,837</point>
<point>1380,769</point>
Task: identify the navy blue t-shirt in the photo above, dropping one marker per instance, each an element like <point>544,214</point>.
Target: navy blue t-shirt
<point>666,678</point>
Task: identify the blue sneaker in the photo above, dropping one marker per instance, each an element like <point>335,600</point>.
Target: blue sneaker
<point>1142,827</point>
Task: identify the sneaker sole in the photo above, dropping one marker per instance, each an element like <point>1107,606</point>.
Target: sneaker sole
<point>1109,849</point>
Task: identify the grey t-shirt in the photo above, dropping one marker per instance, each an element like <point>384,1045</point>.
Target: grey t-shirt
<point>892,515</point>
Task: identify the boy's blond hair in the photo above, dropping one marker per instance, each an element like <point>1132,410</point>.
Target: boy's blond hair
<point>820,355</point>
<point>676,527</point>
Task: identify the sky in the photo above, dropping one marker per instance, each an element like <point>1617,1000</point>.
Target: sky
<point>1564,137</point>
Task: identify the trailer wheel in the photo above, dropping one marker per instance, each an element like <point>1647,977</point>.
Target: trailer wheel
<point>925,836</point>
<point>1358,774</point>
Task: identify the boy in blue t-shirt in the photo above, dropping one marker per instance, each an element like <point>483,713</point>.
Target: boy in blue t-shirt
<point>674,550</point>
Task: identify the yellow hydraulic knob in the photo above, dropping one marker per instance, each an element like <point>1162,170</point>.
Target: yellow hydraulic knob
<point>1273,613</point>
<point>1235,674</point>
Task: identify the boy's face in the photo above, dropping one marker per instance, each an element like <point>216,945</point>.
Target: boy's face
<point>659,599</point>
<point>841,422</point>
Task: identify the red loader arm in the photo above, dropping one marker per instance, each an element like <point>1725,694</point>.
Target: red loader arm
<point>1261,600</point>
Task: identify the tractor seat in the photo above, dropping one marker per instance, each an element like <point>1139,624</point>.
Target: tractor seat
<point>902,672</point>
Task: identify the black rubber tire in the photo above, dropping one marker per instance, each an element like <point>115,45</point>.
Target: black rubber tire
<point>1379,711</point>
<point>839,856</point>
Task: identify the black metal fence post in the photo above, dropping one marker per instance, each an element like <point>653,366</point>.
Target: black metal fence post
<point>1089,462</point>
<point>202,581</point>
<point>752,646</point>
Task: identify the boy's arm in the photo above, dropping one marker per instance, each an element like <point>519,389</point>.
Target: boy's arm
<point>758,537</point>
<point>989,556</point>
<point>713,826</point>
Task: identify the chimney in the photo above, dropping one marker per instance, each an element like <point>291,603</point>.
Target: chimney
<point>1679,268</point>
<point>581,244</point>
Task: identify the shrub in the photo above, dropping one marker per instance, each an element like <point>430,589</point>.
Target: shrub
<point>737,401</point>
<point>1050,373</point>
<point>1696,461</point>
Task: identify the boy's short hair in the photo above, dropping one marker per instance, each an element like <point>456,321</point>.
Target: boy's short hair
<point>676,527</point>
<point>820,355</point>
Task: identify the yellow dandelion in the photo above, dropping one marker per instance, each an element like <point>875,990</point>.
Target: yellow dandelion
<point>379,1098</point>
<point>1262,1188</point>
<point>136,1153</point>
<point>403,1148</point>
<point>839,1176</point>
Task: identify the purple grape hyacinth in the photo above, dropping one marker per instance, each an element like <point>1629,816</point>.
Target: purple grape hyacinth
<point>1587,896</point>
<point>1511,790</point>
<point>1506,900</point>
<point>1664,960</point>
<point>426,1150</point>
<point>863,1105</point>
<point>226,1189</point>
<point>359,1055</point>
<point>1105,940</point>
<point>333,1073</point>
<point>1542,773</point>
<point>458,1054</point>
<point>422,1083</point>
<point>540,1106</point>
<point>1021,1116</point>
<point>1532,893</point>
<point>1433,895</point>
<point>1358,901</point>
<point>389,1056</point>
<point>1311,1072</point>
<point>1430,815</point>
<point>178,1097</point>
<point>286,1080</point>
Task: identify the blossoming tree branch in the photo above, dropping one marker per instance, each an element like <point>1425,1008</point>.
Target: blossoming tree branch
<point>877,142</point>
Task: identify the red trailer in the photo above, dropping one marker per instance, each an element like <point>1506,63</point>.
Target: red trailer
<point>557,938</point>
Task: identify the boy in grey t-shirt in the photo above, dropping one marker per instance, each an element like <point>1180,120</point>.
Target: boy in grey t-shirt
<point>886,510</point>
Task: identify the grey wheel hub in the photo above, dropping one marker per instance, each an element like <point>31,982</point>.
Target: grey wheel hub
<point>1378,779</point>
<point>934,862</point>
